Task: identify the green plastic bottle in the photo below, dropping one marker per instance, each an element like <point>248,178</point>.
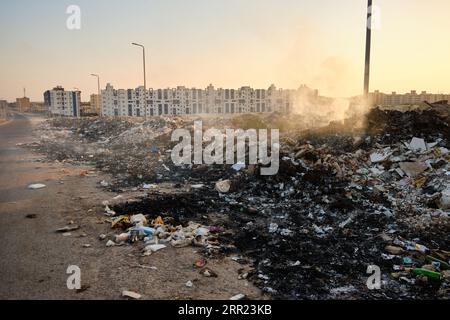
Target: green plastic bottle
<point>427,273</point>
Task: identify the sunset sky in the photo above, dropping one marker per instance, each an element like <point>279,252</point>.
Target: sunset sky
<point>229,43</point>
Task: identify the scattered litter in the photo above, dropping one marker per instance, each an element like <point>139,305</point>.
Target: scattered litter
<point>239,166</point>
<point>200,263</point>
<point>418,145</point>
<point>36,186</point>
<point>104,183</point>
<point>68,228</point>
<point>208,273</point>
<point>223,186</point>
<point>155,247</point>
<point>110,243</point>
<point>238,297</point>
<point>131,294</point>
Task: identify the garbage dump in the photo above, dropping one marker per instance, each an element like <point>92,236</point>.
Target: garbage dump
<point>346,197</point>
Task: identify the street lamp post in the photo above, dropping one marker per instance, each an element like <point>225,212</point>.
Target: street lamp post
<point>368,47</point>
<point>145,77</point>
<point>98,92</point>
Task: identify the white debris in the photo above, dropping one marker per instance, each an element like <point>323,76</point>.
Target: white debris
<point>189,284</point>
<point>155,247</point>
<point>286,232</point>
<point>376,171</point>
<point>238,166</point>
<point>104,183</point>
<point>237,297</point>
<point>445,199</point>
<point>36,186</point>
<point>273,227</point>
<point>346,222</point>
<point>138,220</point>
<point>131,294</point>
<point>413,169</point>
<point>110,243</point>
<point>417,145</point>
<point>223,186</point>
<point>377,157</point>
<point>400,172</point>
<point>109,212</point>
<point>202,231</point>
<point>343,290</point>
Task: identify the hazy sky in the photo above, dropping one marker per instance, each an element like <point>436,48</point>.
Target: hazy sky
<point>229,43</point>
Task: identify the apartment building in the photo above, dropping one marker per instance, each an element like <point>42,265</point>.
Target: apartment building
<point>184,101</point>
<point>411,98</point>
<point>23,104</point>
<point>3,109</point>
<point>95,103</point>
<point>63,103</point>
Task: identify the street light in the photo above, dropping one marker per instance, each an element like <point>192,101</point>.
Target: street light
<point>145,77</point>
<point>368,46</point>
<point>98,92</point>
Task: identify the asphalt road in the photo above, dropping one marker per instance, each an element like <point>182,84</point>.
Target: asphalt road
<point>33,258</point>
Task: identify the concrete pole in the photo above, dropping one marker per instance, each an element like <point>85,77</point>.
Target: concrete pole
<point>368,47</point>
<point>145,78</point>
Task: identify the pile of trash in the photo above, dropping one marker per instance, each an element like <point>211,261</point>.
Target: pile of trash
<point>159,233</point>
<point>314,228</point>
<point>345,198</point>
<point>132,150</point>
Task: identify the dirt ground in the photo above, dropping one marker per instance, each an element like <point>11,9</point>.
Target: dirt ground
<point>34,257</point>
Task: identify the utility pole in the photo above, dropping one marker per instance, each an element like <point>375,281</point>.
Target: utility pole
<point>145,77</point>
<point>368,47</point>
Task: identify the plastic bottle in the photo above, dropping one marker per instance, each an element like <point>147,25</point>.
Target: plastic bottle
<point>427,273</point>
